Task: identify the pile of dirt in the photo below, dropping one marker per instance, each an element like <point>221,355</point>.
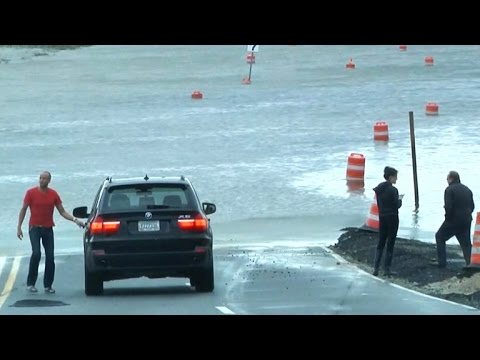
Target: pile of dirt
<point>414,265</point>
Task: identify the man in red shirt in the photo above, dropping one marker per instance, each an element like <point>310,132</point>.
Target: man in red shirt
<point>42,200</point>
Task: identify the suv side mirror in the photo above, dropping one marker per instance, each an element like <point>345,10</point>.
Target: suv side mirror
<point>209,208</point>
<point>81,212</point>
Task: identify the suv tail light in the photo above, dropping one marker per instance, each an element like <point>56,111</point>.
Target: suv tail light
<point>100,227</point>
<point>197,224</point>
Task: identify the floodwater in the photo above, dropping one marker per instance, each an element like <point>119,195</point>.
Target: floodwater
<point>272,155</point>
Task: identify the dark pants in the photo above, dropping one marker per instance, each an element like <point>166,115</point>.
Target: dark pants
<point>46,234</point>
<point>387,235</point>
<point>446,232</point>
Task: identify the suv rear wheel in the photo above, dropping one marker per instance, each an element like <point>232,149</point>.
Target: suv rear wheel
<point>204,280</point>
<point>93,283</point>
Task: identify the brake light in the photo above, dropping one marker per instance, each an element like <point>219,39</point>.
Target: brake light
<point>197,224</point>
<point>100,227</point>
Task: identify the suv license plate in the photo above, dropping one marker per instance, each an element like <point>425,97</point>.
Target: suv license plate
<point>153,225</point>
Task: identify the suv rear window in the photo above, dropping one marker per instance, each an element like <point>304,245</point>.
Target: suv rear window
<point>148,196</point>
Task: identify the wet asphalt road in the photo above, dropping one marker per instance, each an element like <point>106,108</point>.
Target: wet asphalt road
<point>253,279</point>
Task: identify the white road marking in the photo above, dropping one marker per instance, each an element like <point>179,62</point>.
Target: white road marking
<point>275,307</point>
<point>433,297</point>
<point>336,256</point>
<point>2,263</point>
<point>11,280</point>
<point>225,310</point>
<point>58,253</point>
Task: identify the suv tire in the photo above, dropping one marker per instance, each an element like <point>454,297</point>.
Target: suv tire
<point>93,283</point>
<point>204,280</point>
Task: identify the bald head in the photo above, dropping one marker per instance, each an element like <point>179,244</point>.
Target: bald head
<point>453,177</point>
<point>44,180</point>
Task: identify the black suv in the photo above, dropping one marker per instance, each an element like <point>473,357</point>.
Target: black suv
<point>153,227</point>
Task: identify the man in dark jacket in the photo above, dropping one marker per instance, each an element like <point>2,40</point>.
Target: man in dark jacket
<point>459,206</point>
<point>388,203</point>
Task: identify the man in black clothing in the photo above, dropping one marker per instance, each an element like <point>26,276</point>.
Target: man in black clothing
<point>459,206</point>
<point>388,203</point>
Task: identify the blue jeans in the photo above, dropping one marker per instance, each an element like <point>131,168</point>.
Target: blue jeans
<point>46,234</point>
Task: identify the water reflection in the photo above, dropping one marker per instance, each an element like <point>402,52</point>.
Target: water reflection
<point>414,232</point>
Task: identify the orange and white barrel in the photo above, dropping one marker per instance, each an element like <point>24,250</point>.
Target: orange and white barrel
<point>356,167</point>
<point>350,64</point>
<point>250,58</point>
<point>431,108</point>
<point>475,256</point>
<point>428,61</point>
<point>373,219</point>
<point>380,131</point>
<point>356,186</point>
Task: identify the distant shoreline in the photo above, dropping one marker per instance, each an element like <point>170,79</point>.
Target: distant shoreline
<point>46,47</point>
<point>36,50</point>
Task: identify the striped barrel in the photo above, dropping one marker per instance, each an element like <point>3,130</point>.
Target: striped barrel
<point>475,257</point>
<point>380,131</point>
<point>373,220</point>
<point>355,167</point>
<point>356,186</point>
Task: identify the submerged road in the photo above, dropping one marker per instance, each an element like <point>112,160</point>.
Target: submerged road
<point>250,279</point>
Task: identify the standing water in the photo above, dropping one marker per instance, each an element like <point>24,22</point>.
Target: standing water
<point>272,155</point>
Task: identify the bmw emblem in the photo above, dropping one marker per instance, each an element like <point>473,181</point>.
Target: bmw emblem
<point>148,215</point>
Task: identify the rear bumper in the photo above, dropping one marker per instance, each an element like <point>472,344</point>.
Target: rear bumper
<point>159,264</point>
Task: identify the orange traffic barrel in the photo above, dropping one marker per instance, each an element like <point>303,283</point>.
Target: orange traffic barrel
<point>403,47</point>
<point>250,58</point>
<point>475,256</point>
<point>350,64</point>
<point>380,131</point>
<point>431,108</point>
<point>197,95</point>
<point>428,61</point>
<point>356,167</point>
<point>373,219</point>
<point>356,186</point>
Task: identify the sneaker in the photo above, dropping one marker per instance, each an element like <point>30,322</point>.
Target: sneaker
<point>436,264</point>
<point>50,290</point>
<point>465,273</point>
<point>32,289</point>
<point>439,266</point>
<point>388,272</point>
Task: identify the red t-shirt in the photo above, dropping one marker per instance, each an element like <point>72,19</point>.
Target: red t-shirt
<point>41,205</point>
